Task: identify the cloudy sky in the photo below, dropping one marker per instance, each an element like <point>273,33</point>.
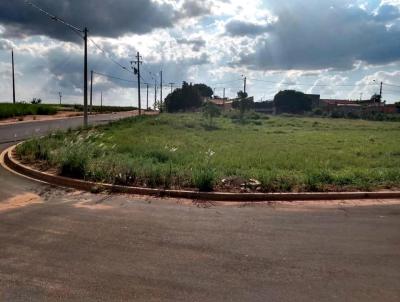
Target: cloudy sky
<point>335,48</point>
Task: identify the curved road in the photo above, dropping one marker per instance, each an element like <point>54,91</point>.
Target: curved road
<point>63,245</point>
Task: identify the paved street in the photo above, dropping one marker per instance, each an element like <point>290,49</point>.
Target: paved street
<point>64,245</point>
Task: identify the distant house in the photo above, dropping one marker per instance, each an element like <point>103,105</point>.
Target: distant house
<point>391,109</point>
<point>332,104</point>
<point>223,103</point>
<point>362,106</point>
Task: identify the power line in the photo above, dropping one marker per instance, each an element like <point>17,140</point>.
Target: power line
<point>108,56</point>
<point>391,85</point>
<point>85,39</point>
<point>79,31</point>
<point>310,84</point>
<point>227,82</point>
<point>113,77</point>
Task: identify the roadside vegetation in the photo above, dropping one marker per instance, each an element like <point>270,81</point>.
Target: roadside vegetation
<point>99,109</point>
<point>227,152</point>
<point>21,109</point>
<point>8,110</point>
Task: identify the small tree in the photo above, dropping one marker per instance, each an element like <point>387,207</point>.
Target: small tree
<point>183,99</point>
<point>242,95</point>
<point>291,101</point>
<point>376,98</point>
<point>36,101</point>
<point>243,105</point>
<point>210,111</point>
<point>204,90</point>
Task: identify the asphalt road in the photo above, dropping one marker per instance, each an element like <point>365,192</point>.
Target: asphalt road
<point>21,131</point>
<point>62,245</point>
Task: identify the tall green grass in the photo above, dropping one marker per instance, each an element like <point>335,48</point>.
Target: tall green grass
<point>20,109</point>
<point>285,154</point>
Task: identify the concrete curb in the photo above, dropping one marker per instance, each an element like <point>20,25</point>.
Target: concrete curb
<point>26,171</point>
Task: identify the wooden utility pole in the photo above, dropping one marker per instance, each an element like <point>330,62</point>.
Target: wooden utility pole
<point>381,91</point>
<point>172,85</point>
<point>60,95</point>
<point>155,94</point>
<point>13,74</point>
<point>147,98</point>
<point>85,88</point>
<point>245,84</point>
<point>91,91</point>
<point>161,87</point>
<point>137,72</point>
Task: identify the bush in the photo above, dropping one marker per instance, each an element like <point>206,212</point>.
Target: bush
<point>35,150</point>
<point>210,111</point>
<point>73,163</point>
<point>337,114</point>
<point>317,180</point>
<point>317,111</point>
<point>204,179</point>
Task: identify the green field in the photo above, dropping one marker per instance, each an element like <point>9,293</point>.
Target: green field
<point>183,151</point>
<point>100,109</point>
<point>19,109</point>
<point>8,110</point>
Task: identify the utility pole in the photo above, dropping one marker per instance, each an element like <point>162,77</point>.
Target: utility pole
<point>245,84</point>
<point>147,98</point>
<point>13,74</point>
<point>155,94</point>
<point>60,95</point>
<point>137,72</point>
<point>161,87</point>
<point>85,78</point>
<point>381,91</point>
<point>172,84</point>
<point>79,31</point>
<point>224,94</point>
<point>91,91</point>
<point>101,101</point>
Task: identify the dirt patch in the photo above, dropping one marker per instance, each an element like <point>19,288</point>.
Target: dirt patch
<point>317,205</point>
<point>20,201</point>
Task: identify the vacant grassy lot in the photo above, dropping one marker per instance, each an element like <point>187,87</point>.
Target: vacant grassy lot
<point>180,151</point>
<point>19,109</point>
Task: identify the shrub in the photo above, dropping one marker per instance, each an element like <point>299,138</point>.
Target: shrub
<point>210,111</point>
<point>317,180</point>
<point>204,179</point>
<point>73,162</point>
<point>317,111</point>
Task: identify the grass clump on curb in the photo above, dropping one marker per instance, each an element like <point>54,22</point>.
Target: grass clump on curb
<point>260,154</point>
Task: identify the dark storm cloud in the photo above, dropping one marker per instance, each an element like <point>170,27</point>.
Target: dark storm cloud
<point>325,34</point>
<point>110,18</point>
<point>242,28</point>
<point>196,44</point>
